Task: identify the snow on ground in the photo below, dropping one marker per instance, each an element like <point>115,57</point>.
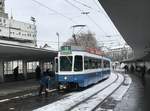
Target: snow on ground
<point>120,70</point>
<point>118,95</point>
<point>75,98</point>
<point>98,98</point>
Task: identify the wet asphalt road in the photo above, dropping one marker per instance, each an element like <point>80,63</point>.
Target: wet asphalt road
<point>138,96</point>
<point>136,99</point>
<point>30,103</point>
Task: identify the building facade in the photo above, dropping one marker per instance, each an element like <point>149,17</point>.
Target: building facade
<point>16,32</point>
<point>13,32</point>
<point>120,54</point>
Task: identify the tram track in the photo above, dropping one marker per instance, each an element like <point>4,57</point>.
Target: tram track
<point>102,102</point>
<point>76,99</point>
<point>84,102</point>
<point>59,98</point>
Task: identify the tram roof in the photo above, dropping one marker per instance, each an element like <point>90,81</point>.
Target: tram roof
<point>85,53</point>
<point>17,52</point>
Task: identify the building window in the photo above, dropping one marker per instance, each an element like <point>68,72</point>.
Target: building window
<point>48,65</point>
<point>31,66</point>
<point>10,65</point>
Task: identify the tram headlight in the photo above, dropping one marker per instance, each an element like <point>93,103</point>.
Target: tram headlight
<point>65,78</point>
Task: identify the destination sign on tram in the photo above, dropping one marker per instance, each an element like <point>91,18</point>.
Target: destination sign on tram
<point>66,50</point>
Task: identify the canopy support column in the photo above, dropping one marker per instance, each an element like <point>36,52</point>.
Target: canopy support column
<point>41,64</point>
<point>1,71</point>
<point>25,69</point>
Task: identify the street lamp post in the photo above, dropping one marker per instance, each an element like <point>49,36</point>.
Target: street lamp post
<point>9,28</point>
<point>35,32</point>
<point>58,39</point>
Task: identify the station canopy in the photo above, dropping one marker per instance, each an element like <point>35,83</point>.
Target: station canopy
<point>17,52</point>
<point>131,17</point>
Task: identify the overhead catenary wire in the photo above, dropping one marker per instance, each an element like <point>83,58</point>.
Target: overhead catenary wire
<point>83,4</point>
<point>109,20</point>
<point>80,30</point>
<point>70,19</point>
<point>106,16</point>
<point>70,3</point>
<point>87,16</point>
<point>47,41</point>
<point>96,24</point>
<point>100,9</point>
<point>52,10</point>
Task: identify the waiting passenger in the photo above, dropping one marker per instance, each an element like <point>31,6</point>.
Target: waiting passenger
<point>126,68</point>
<point>38,73</point>
<point>132,69</point>
<point>16,73</point>
<point>44,83</point>
<point>143,70</point>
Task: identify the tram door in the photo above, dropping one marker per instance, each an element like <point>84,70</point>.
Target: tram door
<point>56,65</point>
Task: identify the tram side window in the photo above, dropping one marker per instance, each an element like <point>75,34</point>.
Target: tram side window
<point>86,63</point>
<point>106,64</point>
<point>99,63</point>
<point>92,63</point>
<point>78,63</point>
<point>66,63</point>
<point>96,63</point>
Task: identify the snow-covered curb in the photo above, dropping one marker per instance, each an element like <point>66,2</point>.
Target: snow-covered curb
<point>118,95</point>
<point>75,98</point>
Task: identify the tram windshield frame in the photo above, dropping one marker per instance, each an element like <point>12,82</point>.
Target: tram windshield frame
<point>66,63</point>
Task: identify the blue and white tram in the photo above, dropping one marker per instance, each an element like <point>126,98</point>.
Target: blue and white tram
<point>81,68</point>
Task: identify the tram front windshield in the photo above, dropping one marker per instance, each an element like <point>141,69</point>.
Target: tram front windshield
<point>66,63</point>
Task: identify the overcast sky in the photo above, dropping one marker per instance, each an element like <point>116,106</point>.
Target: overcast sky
<point>49,22</point>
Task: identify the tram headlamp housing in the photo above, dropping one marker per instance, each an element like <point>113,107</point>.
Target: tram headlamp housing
<point>65,78</point>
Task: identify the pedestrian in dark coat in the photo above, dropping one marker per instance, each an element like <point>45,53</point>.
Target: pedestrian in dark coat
<point>132,69</point>
<point>16,73</point>
<point>44,83</point>
<point>126,68</point>
<point>38,73</point>
<point>143,70</point>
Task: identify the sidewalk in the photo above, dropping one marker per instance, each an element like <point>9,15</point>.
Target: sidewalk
<point>18,88</point>
<point>138,96</point>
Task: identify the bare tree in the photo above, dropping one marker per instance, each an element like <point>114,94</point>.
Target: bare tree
<point>83,39</point>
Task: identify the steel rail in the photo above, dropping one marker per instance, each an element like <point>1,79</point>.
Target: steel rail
<point>97,106</point>
<point>88,98</point>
